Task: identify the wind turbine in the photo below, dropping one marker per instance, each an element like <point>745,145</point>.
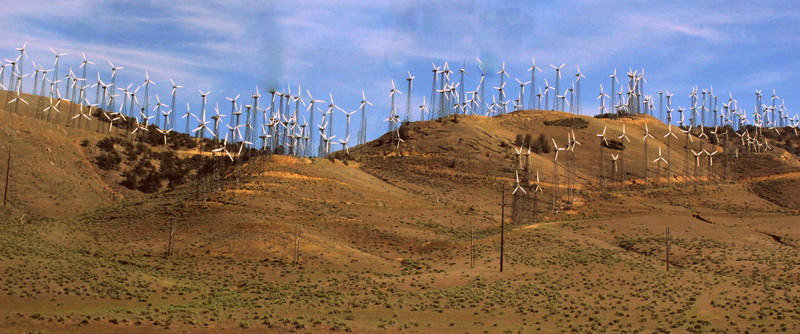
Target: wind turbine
<point>624,175</point>
<point>435,71</point>
<point>556,148</point>
<point>344,143</point>
<point>216,118</point>
<point>658,160</point>
<point>603,144</point>
<point>518,186</point>
<point>235,115</point>
<point>558,81</point>
<point>688,133</point>
<point>669,137</point>
<point>407,117</point>
<point>85,64</point>
<point>646,135</point>
<point>614,81</point>
<point>501,96</point>
<point>21,57</point>
<point>55,67</point>
<point>347,124</point>
<point>522,92</point>
<point>578,106</point>
<point>172,106</point>
<point>696,165</point>
<point>331,108</point>
<point>203,123</point>
<point>533,70</point>
<point>482,86</point>
<point>224,148</point>
<point>602,97</point>
<point>146,84</point>
<point>393,110</point>
<point>547,89</point>
<point>111,101</point>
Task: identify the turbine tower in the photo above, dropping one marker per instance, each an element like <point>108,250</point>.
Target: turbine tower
<point>407,116</point>
<point>533,70</point>
<point>362,133</point>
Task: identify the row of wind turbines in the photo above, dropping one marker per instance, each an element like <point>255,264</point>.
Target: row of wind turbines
<point>285,124</point>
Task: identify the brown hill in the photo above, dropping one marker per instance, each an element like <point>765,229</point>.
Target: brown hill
<point>384,243</point>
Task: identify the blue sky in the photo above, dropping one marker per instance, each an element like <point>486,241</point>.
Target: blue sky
<point>342,47</point>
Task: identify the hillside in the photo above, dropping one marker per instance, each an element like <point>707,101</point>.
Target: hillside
<point>383,241</point>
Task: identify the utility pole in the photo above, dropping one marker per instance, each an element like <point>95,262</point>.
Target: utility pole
<point>502,226</point>
<point>297,245</point>
<point>472,247</point>
<point>8,173</point>
<point>171,238</point>
<point>667,247</point>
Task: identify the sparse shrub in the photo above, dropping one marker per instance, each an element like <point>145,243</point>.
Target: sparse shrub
<point>540,145</point>
<point>130,181</point>
<point>614,144</point>
<point>85,142</point>
<point>573,122</point>
<point>150,183</point>
<point>109,160</point>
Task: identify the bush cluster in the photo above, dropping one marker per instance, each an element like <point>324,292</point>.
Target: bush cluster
<point>573,122</point>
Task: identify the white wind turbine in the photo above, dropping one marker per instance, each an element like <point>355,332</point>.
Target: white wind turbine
<point>518,187</point>
<point>644,139</point>
<point>578,106</point>
<point>623,175</point>
<point>602,97</point>
<point>669,137</point>
<point>557,149</point>
<point>423,109</point>
<point>407,117</point>
<point>533,70</point>
<point>344,143</point>
<point>603,144</point>
<point>362,133</point>
<point>688,135</point>
<point>203,123</point>
<point>174,95</point>
<point>55,67</point>
<point>521,104</point>
<point>216,118</point>
<point>224,148</point>
<point>146,85</point>
<point>696,164</point>
<point>111,102</point>
<point>558,81</point>
<point>21,57</point>
<point>658,160</point>
<point>393,111</point>
<point>501,95</point>
<point>160,113</point>
<point>235,115</point>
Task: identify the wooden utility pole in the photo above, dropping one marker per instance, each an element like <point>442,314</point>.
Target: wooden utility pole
<point>297,245</point>
<point>171,238</point>
<point>8,173</point>
<point>502,227</point>
<point>667,247</point>
<point>472,247</point>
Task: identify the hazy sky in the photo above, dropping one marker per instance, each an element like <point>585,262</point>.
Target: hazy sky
<point>342,47</point>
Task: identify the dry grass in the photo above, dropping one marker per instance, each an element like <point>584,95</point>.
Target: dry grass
<point>384,246</point>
